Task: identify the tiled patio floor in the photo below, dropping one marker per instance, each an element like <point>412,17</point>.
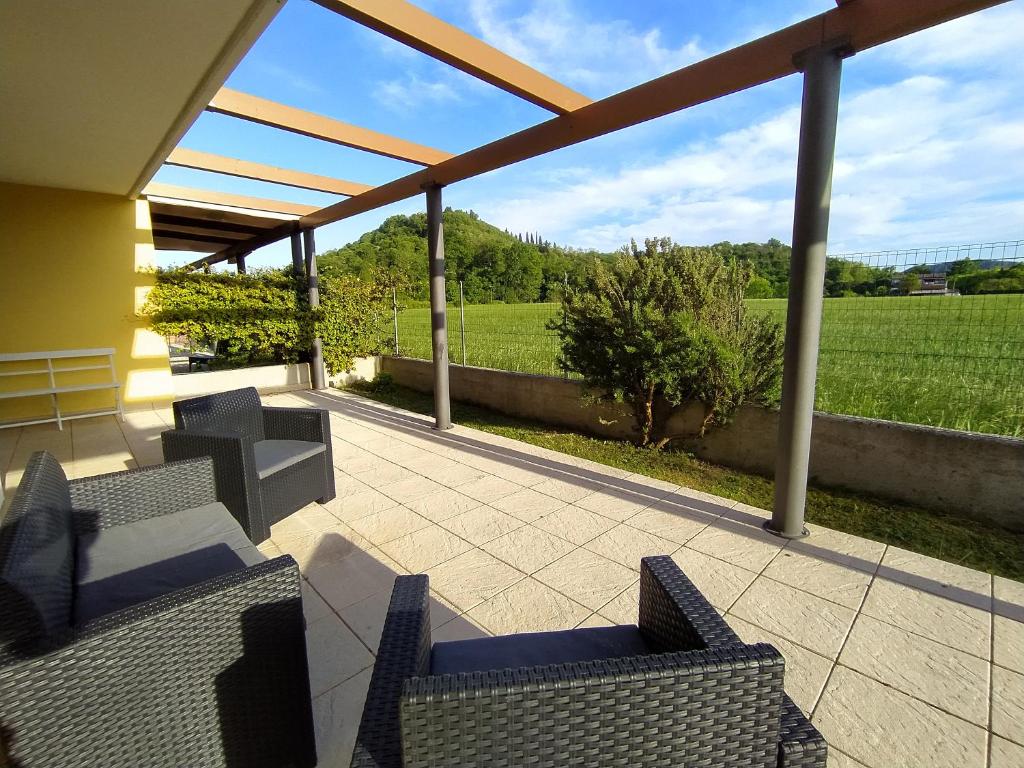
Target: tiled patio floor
<point>901,660</point>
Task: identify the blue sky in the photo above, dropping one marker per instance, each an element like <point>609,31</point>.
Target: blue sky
<point>930,149</point>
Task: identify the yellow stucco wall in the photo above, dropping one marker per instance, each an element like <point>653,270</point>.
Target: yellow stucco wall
<point>72,276</point>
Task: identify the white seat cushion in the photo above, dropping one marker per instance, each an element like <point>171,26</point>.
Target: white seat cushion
<point>274,455</point>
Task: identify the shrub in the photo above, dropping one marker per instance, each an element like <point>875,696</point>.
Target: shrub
<point>263,316</point>
<point>664,327</point>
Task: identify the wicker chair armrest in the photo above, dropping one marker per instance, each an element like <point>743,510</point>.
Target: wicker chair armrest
<point>104,501</point>
<point>711,707</point>
<point>674,615</point>
<point>310,424</point>
<point>234,470</point>
<point>214,673</point>
<point>404,652</point>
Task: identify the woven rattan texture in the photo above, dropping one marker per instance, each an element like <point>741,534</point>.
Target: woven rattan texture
<point>235,411</point>
<point>36,555</point>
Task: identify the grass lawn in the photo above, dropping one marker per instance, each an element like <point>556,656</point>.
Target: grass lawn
<point>975,545</point>
<point>955,361</point>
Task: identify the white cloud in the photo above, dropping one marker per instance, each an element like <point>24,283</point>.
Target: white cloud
<point>293,80</point>
<point>923,161</point>
<point>407,94</point>
<point>597,57</point>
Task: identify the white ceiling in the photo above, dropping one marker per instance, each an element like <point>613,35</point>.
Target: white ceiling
<point>94,94</point>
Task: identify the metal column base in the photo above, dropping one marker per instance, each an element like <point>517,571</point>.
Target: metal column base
<point>804,533</point>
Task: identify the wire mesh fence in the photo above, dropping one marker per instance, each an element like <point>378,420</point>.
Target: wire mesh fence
<point>926,336</point>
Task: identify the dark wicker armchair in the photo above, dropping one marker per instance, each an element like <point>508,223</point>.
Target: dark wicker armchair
<point>164,660</point>
<point>677,689</point>
<point>269,462</point>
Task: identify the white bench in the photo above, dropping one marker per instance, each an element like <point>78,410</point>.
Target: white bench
<point>50,365</point>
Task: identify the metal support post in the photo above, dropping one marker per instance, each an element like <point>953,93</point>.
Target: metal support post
<point>438,307</point>
<point>317,375</point>
<point>462,322</point>
<point>822,68</point>
<point>394,311</point>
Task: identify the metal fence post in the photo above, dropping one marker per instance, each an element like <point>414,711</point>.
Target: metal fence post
<point>462,322</point>
<point>394,310</point>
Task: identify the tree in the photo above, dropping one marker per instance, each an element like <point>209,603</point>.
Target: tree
<point>910,282</point>
<point>666,326</point>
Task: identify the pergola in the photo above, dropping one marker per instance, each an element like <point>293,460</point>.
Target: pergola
<point>228,227</point>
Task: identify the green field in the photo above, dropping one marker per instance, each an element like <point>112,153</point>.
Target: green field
<point>954,362</point>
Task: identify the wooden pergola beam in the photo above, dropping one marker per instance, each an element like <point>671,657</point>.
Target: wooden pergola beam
<point>860,24</point>
<point>204,161</point>
<point>175,192</point>
<point>412,26</point>
<point>257,110</point>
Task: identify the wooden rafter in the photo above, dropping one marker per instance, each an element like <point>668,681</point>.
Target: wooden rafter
<point>223,198</point>
<point>204,161</point>
<point>257,110</point>
<point>412,26</point>
<point>858,25</point>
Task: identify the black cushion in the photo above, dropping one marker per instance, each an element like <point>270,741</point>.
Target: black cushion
<point>537,649</point>
<point>128,564</point>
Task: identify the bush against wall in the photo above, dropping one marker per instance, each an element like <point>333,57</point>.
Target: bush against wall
<point>263,317</point>
<point>666,326</point>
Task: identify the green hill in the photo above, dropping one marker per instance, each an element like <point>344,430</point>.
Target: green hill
<point>493,264</point>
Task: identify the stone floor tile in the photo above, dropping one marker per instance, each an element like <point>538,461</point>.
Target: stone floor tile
<point>678,525</point>
<point>488,489</point>
<point>624,608</point>
<point>587,578</point>
<point>883,728</point>
<point>366,618</point>
<point>1005,754</point>
<point>653,483</point>
<point>616,504</point>
<point>528,549</point>
<point>382,527</point>
<point>336,716</point>
<point>575,524</point>
<point>569,490</point>
<point>1008,704</point>
<point>269,549</point>
<point>528,606</point>
<point>335,654</point>
<point>482,524</point>
<point>1008,643</point>
<point>359,505</point>
<point>382,473</point>
<point>697,501</point>
<point>342,582</point>
<point>806,671</point>
<point>720,582</point>
<point>423,549</point>
<point>595,620</point>
<point>801,617</point>
<point>937,674</point>
<point>626,545</point>
<point>410,489</point>
<point>747,546</point>
<point>345,485</point>
<point>442,505</point>
<point>314,607</point>
<point>939,577</point>
<point>834,581</point>
<point>929,615</point>
<point>837,759</point>
<point>528,505</point>
<point>472,577</point>
<point>312,548</point>
<point>450,473</point>
<point>840,547</point>
<point>459,628</point>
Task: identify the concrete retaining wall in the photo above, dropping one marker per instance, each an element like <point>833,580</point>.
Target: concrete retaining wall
<point>266,378</point>
<point>978,476</point>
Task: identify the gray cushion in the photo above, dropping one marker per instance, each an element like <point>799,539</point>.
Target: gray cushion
<point>536,649</point>
<point>128,564</point>
<point>274,455</point>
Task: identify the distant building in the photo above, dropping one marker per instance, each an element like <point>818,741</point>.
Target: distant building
<point>932,284</point>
